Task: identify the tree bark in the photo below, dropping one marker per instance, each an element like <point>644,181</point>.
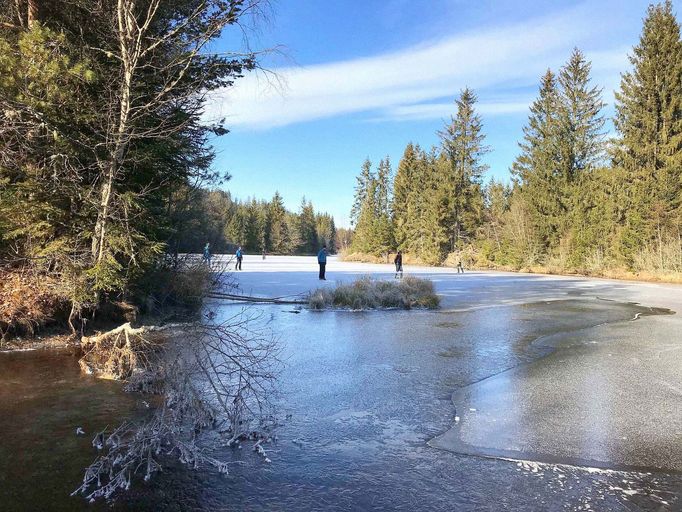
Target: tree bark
<point>32,12</point>
<point>129,58</point>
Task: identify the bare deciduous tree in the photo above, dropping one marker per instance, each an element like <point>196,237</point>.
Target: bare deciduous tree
<point>137,47</point>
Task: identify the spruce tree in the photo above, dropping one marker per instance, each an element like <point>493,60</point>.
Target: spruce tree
<point>581,142</point>
<point>434,228</point>
<point>536,169</point>
<point>326,232</point>
<point>361,188</point>
<point>412,229</point>
<point>253,230</point>
<point>382,231</point>
<point>279,233</point>
<point>462,143</point>
<point>496,206</point>
<point>402,187</point>
<point>649,123</point>
<point>581,124</point>
<point>331,244</point>
<point>364,214</point>
<point>307,228</point>
<point>264,227</point>
<point>237,228</point>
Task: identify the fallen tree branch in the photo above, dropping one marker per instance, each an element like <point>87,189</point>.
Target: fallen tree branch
<point>210,377</point>
<point>115,354</point>
<point>248,298</point>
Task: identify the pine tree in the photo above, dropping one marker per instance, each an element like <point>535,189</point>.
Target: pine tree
<point>462,144</point>
<point>279,232</point>
<point>536,169</point>
<point>361,189</point>
<point>649,123</point>
<point>581,124</point>
<point>402,187</point>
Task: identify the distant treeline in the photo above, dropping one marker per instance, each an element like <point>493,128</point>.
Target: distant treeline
<point>577,200</point>
<point>255,225</point>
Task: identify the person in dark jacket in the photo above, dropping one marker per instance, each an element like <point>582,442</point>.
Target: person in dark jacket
<point>398,265</point>
<point>322,261</point>
<point>240,257</point>
<point>207,254</point>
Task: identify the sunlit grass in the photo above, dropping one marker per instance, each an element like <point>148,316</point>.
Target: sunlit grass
<point>367,293</point>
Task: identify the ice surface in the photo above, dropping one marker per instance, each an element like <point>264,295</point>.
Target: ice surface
<point>608,394</point>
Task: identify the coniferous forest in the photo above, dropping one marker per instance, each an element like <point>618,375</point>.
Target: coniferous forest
<point>106,163</point>
<point>255,225</point>
<point>580,199</point>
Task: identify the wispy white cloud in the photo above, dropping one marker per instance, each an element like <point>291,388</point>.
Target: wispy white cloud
<point>443,110</point>
<point>413,83</point>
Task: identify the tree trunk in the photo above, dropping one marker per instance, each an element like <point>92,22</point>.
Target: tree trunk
<point>129,58</point>
<point>102,214</point>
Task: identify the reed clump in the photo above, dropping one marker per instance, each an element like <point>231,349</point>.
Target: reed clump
<point>366,293</point>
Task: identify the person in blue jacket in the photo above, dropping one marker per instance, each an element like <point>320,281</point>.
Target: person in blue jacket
<point>240,256</point>
<point>322,260</point>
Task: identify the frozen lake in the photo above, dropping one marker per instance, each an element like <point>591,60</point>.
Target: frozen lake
<point>523,392</point>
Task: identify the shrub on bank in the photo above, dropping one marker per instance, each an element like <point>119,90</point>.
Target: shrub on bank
<point>29,302</point>
<point>182,287</point>
<point>32,301</point>
<point>367,293</point>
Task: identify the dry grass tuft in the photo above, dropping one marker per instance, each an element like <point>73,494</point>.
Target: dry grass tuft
<point>367,293</point>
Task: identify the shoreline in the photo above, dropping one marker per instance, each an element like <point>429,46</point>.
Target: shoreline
<point>46,342</point>
<point>614,274</point>
<point>633,289</point>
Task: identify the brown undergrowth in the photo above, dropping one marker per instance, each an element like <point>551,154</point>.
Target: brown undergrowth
<point>30,302</point>
<point>36,304</point>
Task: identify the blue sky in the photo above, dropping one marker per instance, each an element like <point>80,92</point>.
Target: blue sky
<point>362,78</point>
